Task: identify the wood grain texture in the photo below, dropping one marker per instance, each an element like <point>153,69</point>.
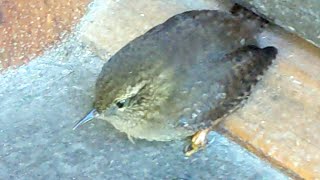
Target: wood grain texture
<point>282,117</point>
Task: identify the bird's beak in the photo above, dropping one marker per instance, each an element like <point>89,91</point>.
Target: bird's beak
<point>91,115</point>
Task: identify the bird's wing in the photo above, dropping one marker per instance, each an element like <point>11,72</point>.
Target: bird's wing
<point>222,86</point>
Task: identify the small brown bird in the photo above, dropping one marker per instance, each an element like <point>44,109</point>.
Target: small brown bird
<point>181,77</point>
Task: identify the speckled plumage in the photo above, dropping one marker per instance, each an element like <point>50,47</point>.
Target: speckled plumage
<point>181,76</point>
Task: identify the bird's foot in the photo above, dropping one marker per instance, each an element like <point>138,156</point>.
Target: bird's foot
<point>198,142</point>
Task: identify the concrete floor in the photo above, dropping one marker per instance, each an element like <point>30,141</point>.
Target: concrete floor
<point>41,101</point>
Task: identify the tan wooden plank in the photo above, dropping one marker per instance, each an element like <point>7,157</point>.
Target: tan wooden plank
<point>282,117</point>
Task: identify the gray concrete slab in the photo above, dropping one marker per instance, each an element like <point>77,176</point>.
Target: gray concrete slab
<point>41,101</point>
<point>297,16</point>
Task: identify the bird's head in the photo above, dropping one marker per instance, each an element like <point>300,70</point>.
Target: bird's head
<point>134,98</point>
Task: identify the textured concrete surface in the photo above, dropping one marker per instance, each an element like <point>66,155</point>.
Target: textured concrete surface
<point>280,121</point>
<point>297,16</point>
<point>27,28</point>
<point>41,101</point>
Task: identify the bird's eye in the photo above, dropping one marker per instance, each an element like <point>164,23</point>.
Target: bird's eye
<point>121,103</point>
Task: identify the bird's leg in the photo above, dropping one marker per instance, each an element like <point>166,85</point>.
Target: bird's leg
<point>131,139</point>
<point>198,142</point>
